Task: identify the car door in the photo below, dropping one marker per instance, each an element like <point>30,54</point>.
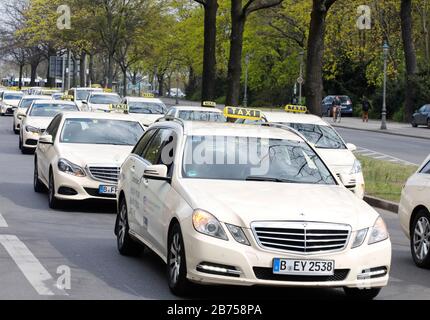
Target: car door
<point>150,201</point>
<point>132,169</point>
<point>421,119</point>
<point>46,152</point>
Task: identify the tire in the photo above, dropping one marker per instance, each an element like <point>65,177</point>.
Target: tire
<point>413,123</point>
<point>2,114</point>
<point>37,184</point>
<point>328,113</point>
<point>126,245</point>
<point>54,203</point>
<point>176,263</point>
<point>20,143</point>
<point>13,128</point>
<point>362,294</point>
<point>428,123</point>
<point>25,150</point>
<point>420,242</point>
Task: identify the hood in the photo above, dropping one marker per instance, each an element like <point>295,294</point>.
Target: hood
<point>84,154</point>
<point>244,202</point>
<point>147,119</point>
<point>339,160</point>
<point>13,103</point>
<point>103,107</point>
<point>38,122</point>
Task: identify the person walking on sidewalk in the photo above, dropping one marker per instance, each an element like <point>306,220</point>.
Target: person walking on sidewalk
<point>336,105</point>
<point>365,106</point>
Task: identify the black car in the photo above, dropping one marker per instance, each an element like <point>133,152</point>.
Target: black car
<point>346,104</point>
<point>422,116</point>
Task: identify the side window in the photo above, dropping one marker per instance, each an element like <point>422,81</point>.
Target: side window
<point>152,152</point>
<point>140,146</point>
<point>426,169</point>
<point>53,126</point>
<point>171,112</point>
<point>428,108</point>
<point>422,109</point>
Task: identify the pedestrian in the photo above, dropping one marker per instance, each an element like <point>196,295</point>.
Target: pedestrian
<point>365,109</point>
<point>335,105</point>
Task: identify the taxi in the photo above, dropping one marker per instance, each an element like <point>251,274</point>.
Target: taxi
<point>21,110</point>
<point>414,214</point>
<point>9,100</point>
<point>146,109</point>
<point>79,155</point>
<point>36,120</point>
<point>220,203</point>
<point>329,144</point>
<point>100,101</point>
<point>81,94</point>
<point>207,112</point>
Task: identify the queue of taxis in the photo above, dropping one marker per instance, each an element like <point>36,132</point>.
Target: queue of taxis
<point>218,202</point>
<point>330,145</point>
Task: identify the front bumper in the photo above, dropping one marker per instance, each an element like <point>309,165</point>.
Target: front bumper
<point>30,139</point>
<point>69,187</point>
<point>253,265</point>
<point>7,110</point>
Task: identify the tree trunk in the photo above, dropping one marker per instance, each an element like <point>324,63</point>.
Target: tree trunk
<point>235,59</point>
<point>83,69</point>
<point>110,71</point>
<point>33,73</point>
<point>209,57</point>
<point>75,69</point>
<point>21,69</point>
<point>314,63</point>
<point>124,75</point>
<point>51,81</point>
<point>410,58</point>
<point>161,85</point>
<point>91,71</point>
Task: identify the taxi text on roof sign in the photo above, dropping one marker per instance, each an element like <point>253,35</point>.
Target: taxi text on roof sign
<point>242,113</point>
<point>148,95</point>
<point>67,97</point>
<point>296,109</point>
<point>211,104</point>
<point>119,108</point>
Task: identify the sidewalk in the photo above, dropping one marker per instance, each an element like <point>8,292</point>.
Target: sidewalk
<point>394,128</point>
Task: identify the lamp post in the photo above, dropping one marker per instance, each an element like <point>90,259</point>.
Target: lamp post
<point>177,85</point>
<point>386,49</point>
<point>300,80</point>
<point>245,95</point>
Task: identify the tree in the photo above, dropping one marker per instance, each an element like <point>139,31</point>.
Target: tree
<point>410,58</point>
<point>239,14</point>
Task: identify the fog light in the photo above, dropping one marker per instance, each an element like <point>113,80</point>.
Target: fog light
<point>372,273</point>
<point>218,269</point>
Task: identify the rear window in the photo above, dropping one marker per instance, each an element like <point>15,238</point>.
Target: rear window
<point>50,109</point>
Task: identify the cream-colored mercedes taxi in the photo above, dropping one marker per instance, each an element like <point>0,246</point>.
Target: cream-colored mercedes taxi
<point>147,109</point>
<point>247,205</point>
<point>100,101</point>
<point>9,100</point>
<point>79,155</point>
<point>36,120</point>
<point>22,108</point>
<point>207,112</point>
<point>414,214</point>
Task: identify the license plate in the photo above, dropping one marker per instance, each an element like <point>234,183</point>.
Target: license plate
<point>304,267</point>
<point>108,189</point>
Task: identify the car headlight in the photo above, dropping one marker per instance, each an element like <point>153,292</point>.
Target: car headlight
<point>238,234</point>
<point>356,168</point>
<point>379,232</point>
<point>32,129</point>
<point>359,238</point>
<point>70,168</point>
<point>207,224</point>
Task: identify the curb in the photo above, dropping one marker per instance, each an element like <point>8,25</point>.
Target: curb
<point>393,207</point>
<point>384,132</point>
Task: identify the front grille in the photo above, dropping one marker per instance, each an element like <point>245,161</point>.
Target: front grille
<point>109,174</point>
<point>31,142</point>
<point>267,274</point>
<point>301,237</point>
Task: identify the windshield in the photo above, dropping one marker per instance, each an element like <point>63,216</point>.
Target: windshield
<point>12,96</point>
<point>101,131</point>
<point>50,109</point>
<point>323,137</point>
<point>209,116</point>
<point>146,107</point>
<point>26,103</point>
<point>105,99</point>
<point>82,94</point>
<point>253,159</point>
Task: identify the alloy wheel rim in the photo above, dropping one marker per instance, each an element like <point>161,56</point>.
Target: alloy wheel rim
<point>421,239</point>
<point>122,224</point>
<point>175,259</point>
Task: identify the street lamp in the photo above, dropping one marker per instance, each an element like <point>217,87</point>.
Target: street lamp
<point>245,95</point>
<point>177,85</point>
<point>301,80</point>
<point>386,49</point>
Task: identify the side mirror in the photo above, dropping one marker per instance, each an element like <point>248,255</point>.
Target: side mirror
<point>46,139</point>
<point>156,172</point>
<point>84,102</point>
<point>351,147</point>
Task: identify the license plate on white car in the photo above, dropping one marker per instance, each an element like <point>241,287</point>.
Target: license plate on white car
<point>304,267</point>
<point>108,190</point>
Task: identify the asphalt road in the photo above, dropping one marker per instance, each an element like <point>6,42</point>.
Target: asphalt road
<point>80,237</point>
<point>413,150</point>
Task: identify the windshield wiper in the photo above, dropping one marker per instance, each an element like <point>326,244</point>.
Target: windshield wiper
<point>271,179</point>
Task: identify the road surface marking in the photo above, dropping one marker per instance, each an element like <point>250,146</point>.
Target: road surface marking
<point>32,269</point>
<point>379,156</point>
<point>3,223</point>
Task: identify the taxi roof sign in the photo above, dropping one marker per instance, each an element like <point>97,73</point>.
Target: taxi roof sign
<point>295,108</point>
<point>211,104</point>
<point>148,95</point>
<point>119,108</point>
<point>68,97</point>
<point>242,113</point>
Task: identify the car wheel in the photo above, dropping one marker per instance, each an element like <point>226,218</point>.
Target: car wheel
<point>2,114</point>
<point>37,184</point>
<point>414,124</point>
<point>362,294</point>
<point>126,245</point>
<point>428,123</point>
<point>328,113</point>
<point>20,143</point>
<point>54,203</point>
<point>176,263</point>
<point>420,239</point>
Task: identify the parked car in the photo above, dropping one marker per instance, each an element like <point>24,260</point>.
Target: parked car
<point>421,116</point>
<point>346,104</point>
<point>176,91</point>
